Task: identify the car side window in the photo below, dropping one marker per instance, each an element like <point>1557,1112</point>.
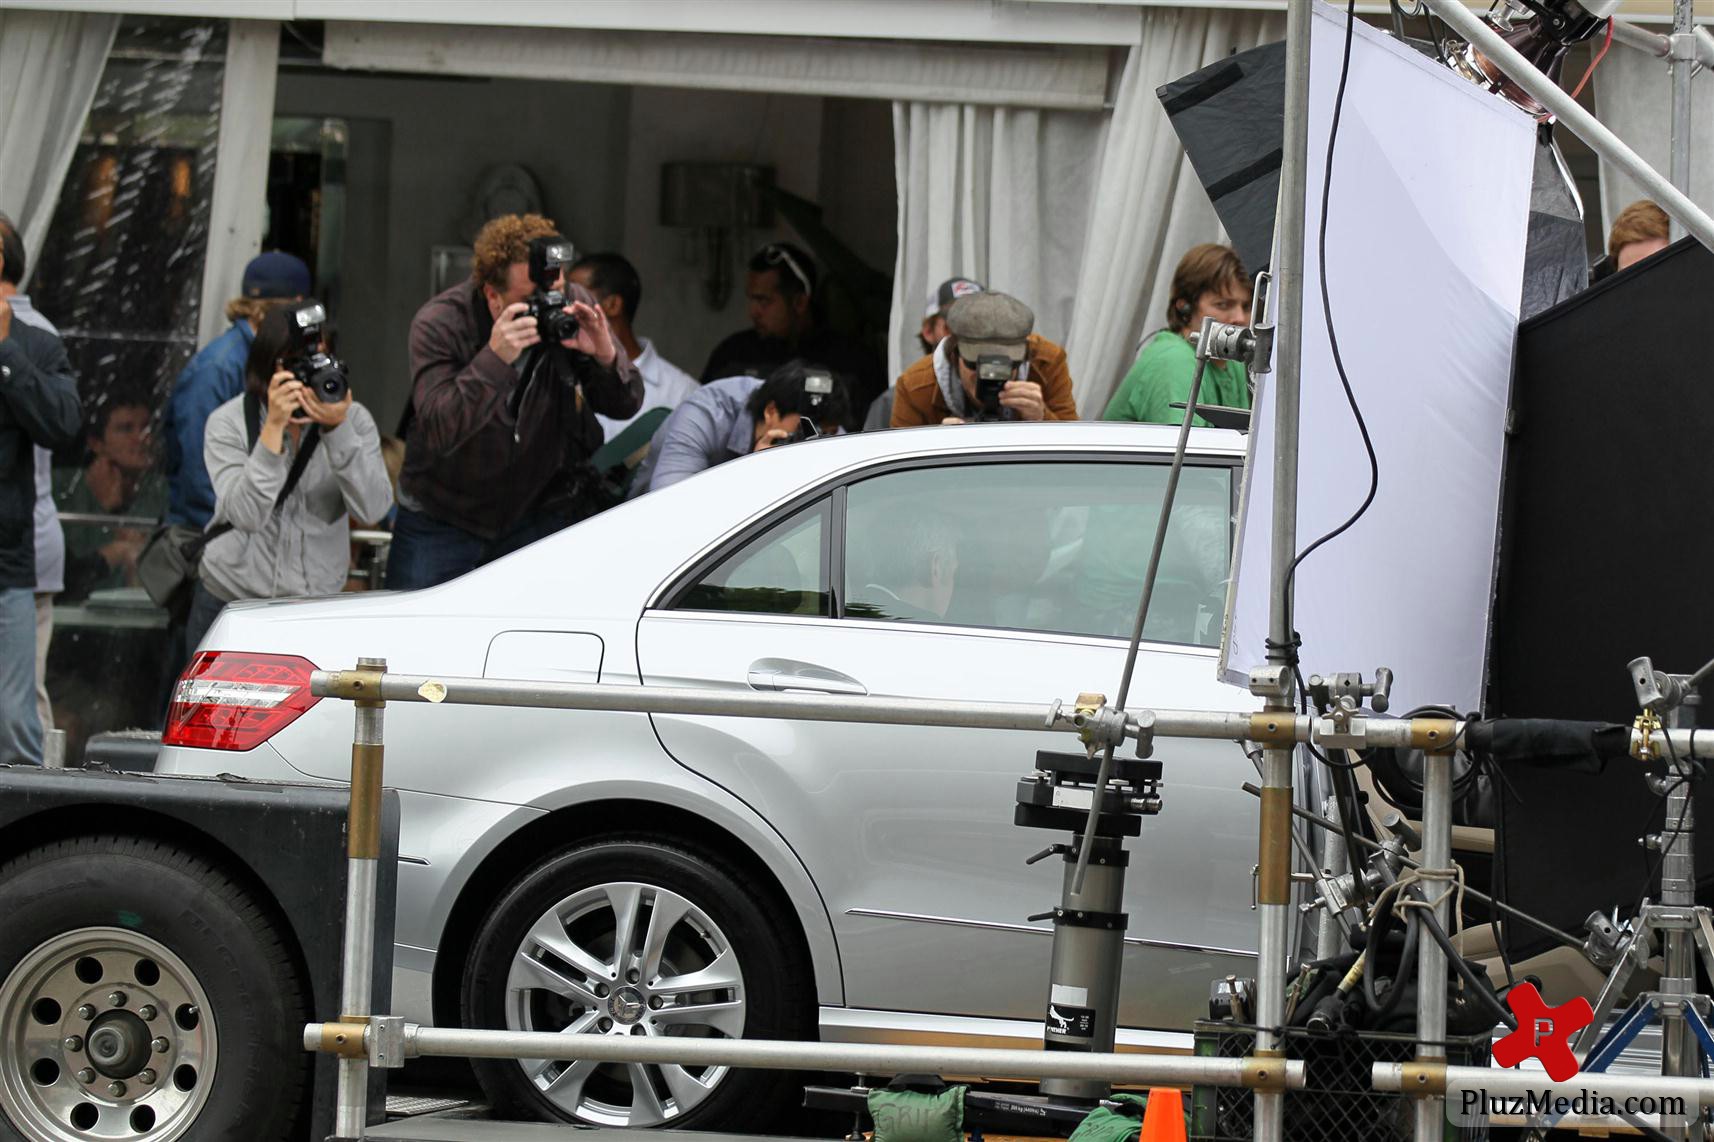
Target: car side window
<point>782,571</point>
<point>1044,546</point>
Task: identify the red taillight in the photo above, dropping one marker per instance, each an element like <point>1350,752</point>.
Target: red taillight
<point>233,700</point>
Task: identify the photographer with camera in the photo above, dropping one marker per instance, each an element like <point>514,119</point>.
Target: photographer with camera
<point>991,365</point>
<point>292,460</point>
<point>510,369</point>
<point>216,375</point>
<point>733,417</point>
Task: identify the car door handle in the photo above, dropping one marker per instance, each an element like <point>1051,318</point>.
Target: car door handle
<point>782,674</point>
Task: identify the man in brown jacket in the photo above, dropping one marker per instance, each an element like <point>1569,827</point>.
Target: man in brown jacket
<point>500,427</point>
<point>987,333</point>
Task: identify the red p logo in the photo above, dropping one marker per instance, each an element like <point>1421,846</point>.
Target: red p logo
<point>1543,1032</point>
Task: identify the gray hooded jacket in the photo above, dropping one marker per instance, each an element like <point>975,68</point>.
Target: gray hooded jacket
<point>306,548</point>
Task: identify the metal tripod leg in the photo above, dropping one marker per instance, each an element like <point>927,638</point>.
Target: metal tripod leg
<point>1699,1028</point>
<point>1638,1015</point>
<point>1617,980</point>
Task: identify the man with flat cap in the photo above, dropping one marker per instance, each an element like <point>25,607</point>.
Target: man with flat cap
<point>993,334</point>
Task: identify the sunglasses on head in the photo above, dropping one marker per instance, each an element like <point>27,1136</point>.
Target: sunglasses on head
<point>777,255</point>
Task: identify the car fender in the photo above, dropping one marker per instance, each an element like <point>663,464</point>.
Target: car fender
<point>465,846</point>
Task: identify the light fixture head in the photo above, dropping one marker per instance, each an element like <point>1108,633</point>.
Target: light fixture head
<point>1541,31</point>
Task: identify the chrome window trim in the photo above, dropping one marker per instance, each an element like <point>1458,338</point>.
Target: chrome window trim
<point>710,554</point>
<point>1205,652</point>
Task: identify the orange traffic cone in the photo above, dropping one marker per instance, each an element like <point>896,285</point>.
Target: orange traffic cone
<point>1163,1120</point>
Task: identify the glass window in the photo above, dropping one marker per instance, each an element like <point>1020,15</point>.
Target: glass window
<point>120,274</point>
<point>783,571</point>
<point>1045,546</point>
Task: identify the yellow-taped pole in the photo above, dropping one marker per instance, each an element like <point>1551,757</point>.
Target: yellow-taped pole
<point>363,851</point>
<point>1437,738</point>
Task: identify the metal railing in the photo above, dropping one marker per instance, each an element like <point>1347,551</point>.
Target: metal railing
<point>363,1039</point>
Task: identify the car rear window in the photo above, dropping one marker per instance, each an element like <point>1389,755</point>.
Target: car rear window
<point>783,571</point>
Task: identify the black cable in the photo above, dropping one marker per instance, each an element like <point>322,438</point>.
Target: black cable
<point>1480,987</point>
<point>1381,1006</point>
<point>1345,798</point>
<point>1332,335</point>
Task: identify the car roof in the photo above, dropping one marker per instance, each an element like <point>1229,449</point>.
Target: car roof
<point>696,511</point>
<point>636,545</point>
<point>1010,436</point>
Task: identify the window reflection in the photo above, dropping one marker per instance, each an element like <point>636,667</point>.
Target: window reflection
<point>120,274</point>
<point>1056,547</point>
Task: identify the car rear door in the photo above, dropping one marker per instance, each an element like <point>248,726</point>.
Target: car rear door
<point>999,579</point>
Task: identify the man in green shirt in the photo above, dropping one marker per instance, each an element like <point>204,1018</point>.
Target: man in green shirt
<point>1209,282</point>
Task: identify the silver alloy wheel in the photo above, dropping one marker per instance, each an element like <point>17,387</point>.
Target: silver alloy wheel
<point>625,959</point>
<point>107,1035</point>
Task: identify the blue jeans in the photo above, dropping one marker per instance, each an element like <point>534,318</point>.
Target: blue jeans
<point>427,552</point>
<point>205,607</point>
<point>20,725</point>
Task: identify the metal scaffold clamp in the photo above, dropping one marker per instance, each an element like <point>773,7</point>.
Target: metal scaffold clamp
<point>1099,725</point>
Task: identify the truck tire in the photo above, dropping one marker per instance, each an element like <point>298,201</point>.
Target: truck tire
<point>144,997</point>
<point>705,956</point>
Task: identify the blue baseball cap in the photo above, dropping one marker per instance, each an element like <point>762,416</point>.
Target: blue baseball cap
<point>276,274</point>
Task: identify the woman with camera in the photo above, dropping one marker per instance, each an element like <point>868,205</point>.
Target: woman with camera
<point>292,460</point>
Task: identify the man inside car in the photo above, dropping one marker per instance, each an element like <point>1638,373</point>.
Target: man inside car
<point>912,577</point>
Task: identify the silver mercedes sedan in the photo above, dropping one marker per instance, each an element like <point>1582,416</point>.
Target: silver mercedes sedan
<point>621,873</point>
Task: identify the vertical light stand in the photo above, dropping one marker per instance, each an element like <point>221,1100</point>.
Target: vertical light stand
<point>1273,888</point>
<point>1680,1055</point>
<point>1430,958</point>
<point>1682,53</point>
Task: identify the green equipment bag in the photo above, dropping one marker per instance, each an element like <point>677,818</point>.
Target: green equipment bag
<point>1109,1124</point>
<point>914,1116</point>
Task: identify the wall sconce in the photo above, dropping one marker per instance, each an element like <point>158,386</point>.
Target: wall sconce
<point>715,204</point>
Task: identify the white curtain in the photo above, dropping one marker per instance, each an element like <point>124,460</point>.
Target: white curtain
<point>999,194</point>
<point>50,65</point>
<point>238,210</point>
<point>1633,97</point>
<point>1148,207</point>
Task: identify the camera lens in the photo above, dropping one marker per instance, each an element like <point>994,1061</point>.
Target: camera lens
<point>329,380</point>
<point>561,326</point>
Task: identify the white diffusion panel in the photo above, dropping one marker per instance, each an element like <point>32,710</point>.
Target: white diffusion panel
<point>1425,257</point>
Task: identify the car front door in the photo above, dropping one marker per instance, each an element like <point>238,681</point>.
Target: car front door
<point>993,581</point>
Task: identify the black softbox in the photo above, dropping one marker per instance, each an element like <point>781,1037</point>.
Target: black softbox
<point>1606,554</point>
<point>1230,116</point>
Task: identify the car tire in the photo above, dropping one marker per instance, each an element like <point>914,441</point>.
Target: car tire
<point>145,996</point>
<point>543,960</point>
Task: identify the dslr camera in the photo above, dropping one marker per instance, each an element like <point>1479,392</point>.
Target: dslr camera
<point>817,392</point>
<point>321,373</point>
<point>548,259</point>
<point>992,374</point>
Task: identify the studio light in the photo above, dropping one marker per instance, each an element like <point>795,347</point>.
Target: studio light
<point>1542,31</point>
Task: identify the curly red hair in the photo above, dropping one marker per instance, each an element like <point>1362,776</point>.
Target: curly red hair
<point>504,241</point>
